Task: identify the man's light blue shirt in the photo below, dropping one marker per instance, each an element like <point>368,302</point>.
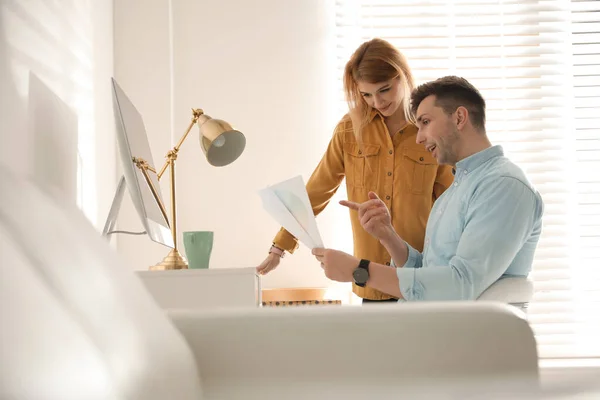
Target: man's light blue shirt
<point>485,226</point>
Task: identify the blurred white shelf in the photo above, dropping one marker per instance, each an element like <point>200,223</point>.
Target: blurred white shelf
<point>199,289</point>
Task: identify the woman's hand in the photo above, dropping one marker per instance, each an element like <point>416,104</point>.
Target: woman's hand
<point>270,263</point>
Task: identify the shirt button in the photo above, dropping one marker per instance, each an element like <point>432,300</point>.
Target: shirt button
<point>387,197</point>
<point>389,174</point>
<point>421,159</point>
<point>391,151</point>
<point>465,172</point>
<point>359,152</point>
<point>387,263</point>
<point>455,183</point>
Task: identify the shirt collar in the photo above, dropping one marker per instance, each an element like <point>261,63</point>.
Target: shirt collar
<point>474,161</point>
<point>374,112</point>
<point>409,125</point>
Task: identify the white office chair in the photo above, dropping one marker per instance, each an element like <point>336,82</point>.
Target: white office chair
<point>77,324</point>
<point>515,291</point>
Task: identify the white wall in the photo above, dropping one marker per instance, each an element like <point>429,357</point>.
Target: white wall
<point>266,67</point>
<point>68,45</point>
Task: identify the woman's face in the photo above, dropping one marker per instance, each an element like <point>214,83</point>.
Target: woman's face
<point>386,97</point>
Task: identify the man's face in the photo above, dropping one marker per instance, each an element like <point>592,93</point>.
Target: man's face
<point>437,131</point>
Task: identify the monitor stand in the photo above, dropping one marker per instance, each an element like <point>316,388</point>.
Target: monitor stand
<point>113,214</point>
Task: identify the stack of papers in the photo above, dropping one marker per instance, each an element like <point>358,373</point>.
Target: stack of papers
<point>288,203</point>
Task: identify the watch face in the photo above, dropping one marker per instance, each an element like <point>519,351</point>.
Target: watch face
<point>360,275</point>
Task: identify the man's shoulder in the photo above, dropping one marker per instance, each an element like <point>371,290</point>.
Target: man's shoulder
<point>504,181</point>
<point>505,178</point>
<point>502,168</point>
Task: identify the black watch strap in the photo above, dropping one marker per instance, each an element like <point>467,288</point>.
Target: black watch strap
<point>364,264</point>
<point>360,277</point>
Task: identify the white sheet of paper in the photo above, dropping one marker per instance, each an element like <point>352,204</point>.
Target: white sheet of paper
<point>288,203</point>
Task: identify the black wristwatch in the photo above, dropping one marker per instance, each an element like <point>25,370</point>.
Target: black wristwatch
<point>361,274</point>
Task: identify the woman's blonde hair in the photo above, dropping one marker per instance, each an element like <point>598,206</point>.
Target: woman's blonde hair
<point>375,61</point>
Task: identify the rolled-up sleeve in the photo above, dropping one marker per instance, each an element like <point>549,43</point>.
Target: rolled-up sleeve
<point>500,217</point>
<point>414,260</point>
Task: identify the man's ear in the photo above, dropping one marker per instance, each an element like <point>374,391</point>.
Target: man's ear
<point>462,116</point>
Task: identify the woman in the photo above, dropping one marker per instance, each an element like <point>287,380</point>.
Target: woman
<point>374,147</point>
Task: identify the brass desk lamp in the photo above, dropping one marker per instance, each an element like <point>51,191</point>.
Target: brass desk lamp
<point>221,145</point>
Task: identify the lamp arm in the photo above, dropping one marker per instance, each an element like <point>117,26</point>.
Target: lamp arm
<point>144,167</point>
<point>172,154</point>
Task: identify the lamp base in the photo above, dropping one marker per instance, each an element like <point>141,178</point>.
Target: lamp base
<point>173,260</point>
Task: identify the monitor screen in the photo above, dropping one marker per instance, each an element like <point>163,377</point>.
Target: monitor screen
<point>133,142</point>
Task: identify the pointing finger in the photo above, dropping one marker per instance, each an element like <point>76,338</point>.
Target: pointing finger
<point>350,204</point>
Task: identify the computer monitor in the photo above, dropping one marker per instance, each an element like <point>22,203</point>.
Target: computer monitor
<point>133,144</point>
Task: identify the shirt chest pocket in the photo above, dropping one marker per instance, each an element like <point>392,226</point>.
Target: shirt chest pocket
<point>361,164</point>
<point>420,169</point>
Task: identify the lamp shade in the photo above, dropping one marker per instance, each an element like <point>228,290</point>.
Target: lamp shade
<point>221,143</point>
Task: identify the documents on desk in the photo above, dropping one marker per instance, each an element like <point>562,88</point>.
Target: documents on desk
<point>288,203</point>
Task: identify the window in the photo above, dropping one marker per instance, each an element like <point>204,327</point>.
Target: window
<point>537,63</point>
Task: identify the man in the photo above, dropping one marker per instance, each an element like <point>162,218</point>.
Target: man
<point>485,226</point>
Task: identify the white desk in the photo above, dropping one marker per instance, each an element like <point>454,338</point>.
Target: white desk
<point>198,289</point>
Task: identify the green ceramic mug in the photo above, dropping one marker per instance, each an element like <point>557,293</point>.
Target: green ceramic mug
<point>198,246</point>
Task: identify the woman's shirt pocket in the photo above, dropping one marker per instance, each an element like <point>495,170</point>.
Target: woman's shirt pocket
<point>361,164</point>
<point>419,171</point>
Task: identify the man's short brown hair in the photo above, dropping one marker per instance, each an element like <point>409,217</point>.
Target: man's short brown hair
<point>450,93</point>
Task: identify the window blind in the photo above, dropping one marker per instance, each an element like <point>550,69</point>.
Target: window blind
<point>536,64</point>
